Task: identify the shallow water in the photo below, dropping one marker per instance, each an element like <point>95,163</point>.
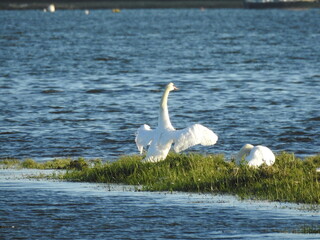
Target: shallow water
<point>38,209</point>
<point>80,85</point>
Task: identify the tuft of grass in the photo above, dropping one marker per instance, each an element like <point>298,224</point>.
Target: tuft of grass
<point>30,163</point>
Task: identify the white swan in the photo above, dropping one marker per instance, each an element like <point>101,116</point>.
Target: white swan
<point>256,156</point>
<point>161,138</point>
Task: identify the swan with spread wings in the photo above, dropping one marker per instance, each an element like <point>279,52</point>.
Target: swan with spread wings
<point>161,139</point>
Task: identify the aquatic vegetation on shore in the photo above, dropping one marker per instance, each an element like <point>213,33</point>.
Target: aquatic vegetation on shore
<point>8,163</point>
<point>310,229</point>
<point>290,179</point>
<point>307,229</point>
<point>63,163</point>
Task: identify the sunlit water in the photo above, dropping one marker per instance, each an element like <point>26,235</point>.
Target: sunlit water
<point>57,210</point>
<point>75,85</point>
<point>80,85</point>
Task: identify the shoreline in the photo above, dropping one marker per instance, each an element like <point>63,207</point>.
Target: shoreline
<point>121,4</point>
<point>290,179</point>
<point>150,4</point>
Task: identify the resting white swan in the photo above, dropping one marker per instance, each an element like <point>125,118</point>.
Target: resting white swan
<point>256,156</point>
<point>161,138</point>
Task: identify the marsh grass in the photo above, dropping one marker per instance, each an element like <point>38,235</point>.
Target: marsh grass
<point>290,179</point>
<point>9,163</point>
<point>305,229</point>
<point>63,163</point>
<point>308,229</point>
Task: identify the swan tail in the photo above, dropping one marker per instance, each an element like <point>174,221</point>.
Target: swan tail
<point>193,135</point>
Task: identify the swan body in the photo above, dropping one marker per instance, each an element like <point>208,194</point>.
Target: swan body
<point>161,139</point>
<point>256,155</point>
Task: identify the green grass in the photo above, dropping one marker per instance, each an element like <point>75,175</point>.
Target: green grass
<point>290,179</point>
<point>305,229</point>
<point>9,163</point>
<point>313,229</point>
<point>63,163</point>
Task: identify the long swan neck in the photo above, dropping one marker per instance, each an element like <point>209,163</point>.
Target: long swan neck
<point>164,119</point>
<point>164,100</point>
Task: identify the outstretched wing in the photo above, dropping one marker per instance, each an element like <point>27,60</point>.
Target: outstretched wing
<point>193,135</point>
<point>144,137</point>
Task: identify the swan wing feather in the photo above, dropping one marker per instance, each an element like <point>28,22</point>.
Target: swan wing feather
<point>144,136</point>
<point>159,147</point>
<point>193,135</point>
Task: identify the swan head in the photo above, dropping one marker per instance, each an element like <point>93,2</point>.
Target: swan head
<point>171,87</point>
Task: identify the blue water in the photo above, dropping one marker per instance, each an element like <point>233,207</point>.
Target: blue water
<point>58,210</point>
<point>80,85</point>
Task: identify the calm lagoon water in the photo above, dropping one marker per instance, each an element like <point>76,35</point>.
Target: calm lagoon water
<point>76,85</point>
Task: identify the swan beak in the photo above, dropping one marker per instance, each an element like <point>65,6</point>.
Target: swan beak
<point>175,88</point>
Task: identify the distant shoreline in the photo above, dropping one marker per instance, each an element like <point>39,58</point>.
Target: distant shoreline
<point>143,4</point>
<point>122,4</point>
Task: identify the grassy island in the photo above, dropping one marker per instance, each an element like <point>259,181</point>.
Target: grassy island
<point>290,179</point>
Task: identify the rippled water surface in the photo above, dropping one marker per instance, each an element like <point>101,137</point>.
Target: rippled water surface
<point>80,85</point>
<point>57,210</point>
